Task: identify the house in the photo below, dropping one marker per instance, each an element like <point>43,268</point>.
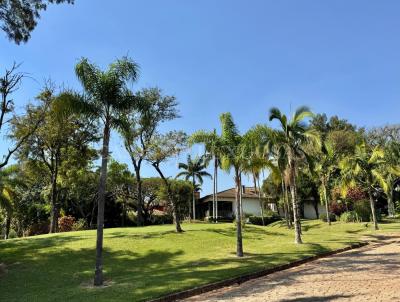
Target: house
<point>227,203</point>
<point>251,205</point>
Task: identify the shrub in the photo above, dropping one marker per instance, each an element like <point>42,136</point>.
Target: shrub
<point>38,228</point>
<point>12,234</point>
<point>257,220</point>
<point>363,210</point>
<point>162,219</point>
<point>79,225</point>
<point>65,223</point>
<point>350,216</point>
<point>332,217</point>
<point>337,208</point>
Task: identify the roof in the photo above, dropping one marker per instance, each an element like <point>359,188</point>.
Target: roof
<point>249,192</point>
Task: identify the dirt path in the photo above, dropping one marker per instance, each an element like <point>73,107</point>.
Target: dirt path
<point>371,273</point>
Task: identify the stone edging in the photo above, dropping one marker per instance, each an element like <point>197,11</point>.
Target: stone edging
<point>243,278</point>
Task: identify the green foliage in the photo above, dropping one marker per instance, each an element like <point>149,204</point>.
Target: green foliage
<point>79,225</point>
<point>268,219</point>
<point>350,216</point>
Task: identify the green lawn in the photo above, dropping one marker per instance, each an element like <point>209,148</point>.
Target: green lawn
<point>144,263</point>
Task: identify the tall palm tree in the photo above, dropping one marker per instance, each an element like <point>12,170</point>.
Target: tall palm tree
<point>326,166</point>
<point>213,146</point>
<point>293,134</point>
<point>255,159</point>
<point>364,168</point>
<point>390,172</point>
<point>232,156</point>
<point>106,96</point>
<point>194,169</point>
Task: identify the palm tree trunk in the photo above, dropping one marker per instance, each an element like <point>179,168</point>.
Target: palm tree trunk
<point>373,211</point>
<point>239,241</point>
<point>213,207</point>
<point>98,275</point>
<point>216,188</point>
<point>289,207</point>
<point>285,207</point>
<point>328,219</point>
<point>260,200</point>
<point>391,210</point>
<point>296,218</point>
<point>194,198</point>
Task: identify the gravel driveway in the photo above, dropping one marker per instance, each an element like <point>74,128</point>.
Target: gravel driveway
<point>371,273</point>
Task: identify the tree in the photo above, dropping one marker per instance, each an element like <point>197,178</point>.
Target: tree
<point>9,84</point>
<point>294,133</point>
<point>52,140</point>
<point>140,127</point>
<point>327,165</point>
<point>107,97</point>
<point>8,181</point>
<point>391,172</point>
<point>162,148</point>
<point>18,18</point>
<point>194,169</point>
<point>213,147</point>
<point>232,156</point>
<point>255,158</point>
<point>364,169</point>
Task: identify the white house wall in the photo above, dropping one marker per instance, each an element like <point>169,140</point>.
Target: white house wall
<point>309,211</point>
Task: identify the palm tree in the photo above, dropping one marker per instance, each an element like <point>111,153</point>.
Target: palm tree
<point>7,194</point>
<point>194,169</point>
<point>364,168</point>
<point>213,146</point>
<point>294,133</point>
<point>255,160</point>
<point>326,166</point>
<point>391,172</point>
<point>107,96</point>
<point>232,157</point>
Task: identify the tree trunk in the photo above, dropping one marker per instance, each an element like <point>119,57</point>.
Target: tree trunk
<point>8,226</point>
<point>216,188</point>
<point>213,198</point>
<point>140,220</point>
<point>372,204</point>
<point>328,219</point>
<point>98,275</point>
<point>391,211</point>
<point>296,218</point>
<point>285,207</point>
<point>53,199</point>
<point>239,243</point>
<point>175,213</point>
<point>260,200</point>
<point>194,198</point>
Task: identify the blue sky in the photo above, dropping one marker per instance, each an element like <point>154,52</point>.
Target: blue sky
<point>341,57</point>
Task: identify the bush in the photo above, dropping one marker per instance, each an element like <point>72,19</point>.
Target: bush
<point>162,219</point>
<point>38,228</point>
<point>66,223</point>
<point>337,208</point>
<point>79,225</point>
<point>332,217</point>
<point>350,216</point>
<point>363,210</point>
<point>12,234</point>
<point>257,220</point>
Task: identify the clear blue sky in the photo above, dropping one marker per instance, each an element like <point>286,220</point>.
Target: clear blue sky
<point>341,57</point>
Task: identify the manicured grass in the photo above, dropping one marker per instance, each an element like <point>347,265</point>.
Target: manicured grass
<point>144,263</point>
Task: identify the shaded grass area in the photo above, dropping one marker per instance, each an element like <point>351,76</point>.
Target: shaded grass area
<point>144,263</point>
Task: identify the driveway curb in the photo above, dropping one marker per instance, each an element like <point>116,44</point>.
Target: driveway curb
<point>246,277</point>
